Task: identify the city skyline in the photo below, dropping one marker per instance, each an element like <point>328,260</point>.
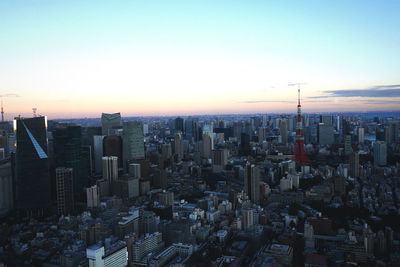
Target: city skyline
<point>73,60</point>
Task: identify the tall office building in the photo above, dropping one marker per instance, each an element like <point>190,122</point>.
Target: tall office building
<point>93,196</point>
<point>178,144</point>
<point>262,133</point>
<point>179,126</point>
<point>98,152</point>
<point>110,169</point>
<point>32,185</point>
<point>6,189</point>
<point>133,141</point>
<point>326,119</point>
<point>393,132</point>
<point>109,121</point>
<point>245,148</point>
<point>112,146</point>
<point>207,145</point>
<point>134,170</point>
<point>347,145</point>
<point>68,153</point>
<point>252,182</point>
<point>209,129</point>
<point>248,218</point>
<point>355,165</point>
<point>65,190</point>
<point>380,153</point>
<point>283,130</point>
<point>325,134</point>
<point>219,160</point>
<point>166,198</point>
<point>360,134</point>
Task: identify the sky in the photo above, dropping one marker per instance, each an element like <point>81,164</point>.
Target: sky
<point>73,59</point>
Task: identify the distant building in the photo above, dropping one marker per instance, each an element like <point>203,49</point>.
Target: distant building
<point>109,121</point>
<point>380,153</point>
<point>65,190</point>
<point>93,197</point>
<point>248,218</point>
<point>220,159</point>
<point>282,253</point>
<point>325,134</point>
<point>112,146</point>
<point>262,133</point>
<point>252,182</point>
<point>110,168</point>
<point>133,141</point>
<point>283,131</point>
<point>98,152</point>
<point>178,144</point>
<point>149,244</point>
<point>166,198</point>
<point>355,165</point>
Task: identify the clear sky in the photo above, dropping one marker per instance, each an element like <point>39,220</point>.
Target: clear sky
<point>81,58</point>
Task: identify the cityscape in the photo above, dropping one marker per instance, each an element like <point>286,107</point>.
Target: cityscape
<point>186,134</point>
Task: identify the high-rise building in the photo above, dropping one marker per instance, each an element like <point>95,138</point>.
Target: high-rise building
<point>220,159</point>
<point>65,190</point>
<point>134,170</point>
<point>133,141</point>
<point>32,185</point>
<point>355,165</point>
<point>380,153</point>
<point>360,134</point>
<point>347,145</point>
<point>325,134</point>
<point>207,145</point>
<point>326,119</point>
<point>244,148</point>
<point>6,188</point>
<point>252,182</point>
<point>393,132</point>
<point>178,144</point>
<point>248,218</point>
<point>166,198</point>
<point>114,255</point>
<point>283,130</point>
<point>179,126</point>
<point>112,146</point>
<point>109,121</point>
<point>262,133</point>
<point>150,243</point>
<point>110,169</point>
<point>166,151</point>
<point>98,152</point>
<point>68,153</point>
<point>93,196</point>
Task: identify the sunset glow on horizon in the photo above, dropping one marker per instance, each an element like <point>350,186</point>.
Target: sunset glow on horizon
<point>73,60</point>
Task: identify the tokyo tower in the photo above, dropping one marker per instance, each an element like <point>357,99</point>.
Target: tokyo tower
<point>300,155</point>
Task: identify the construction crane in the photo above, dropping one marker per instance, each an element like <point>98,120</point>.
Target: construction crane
<point>2,109</point>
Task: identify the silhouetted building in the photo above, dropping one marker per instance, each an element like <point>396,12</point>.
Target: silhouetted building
<point>252,182</point>
<point>109,121</point>
<point>112,146</point>
<point>65,190</point>
<point>32,185</point>
<point>380,153</point>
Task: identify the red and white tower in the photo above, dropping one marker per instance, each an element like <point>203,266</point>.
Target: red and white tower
<point>300,155</point>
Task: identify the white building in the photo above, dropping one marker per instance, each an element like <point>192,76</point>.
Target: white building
<point>114,256</point>
<point>110,168</point>
<point>93,197</point>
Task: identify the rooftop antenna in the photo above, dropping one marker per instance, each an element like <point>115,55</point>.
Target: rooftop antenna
<point>34,112</point>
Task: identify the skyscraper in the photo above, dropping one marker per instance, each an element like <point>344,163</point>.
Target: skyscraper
<point>179,126</point>
<point>178,144</point>
<point>98,152</point>
<point>360,134</point>
<point>133,141</point>
<point>283,129</point>
<point>6,190</point>
<point>112,146</point>
<point>355,165</point>
<point>262,132</point>
<point>65,190</point>
<point>109,121</point>
<point>32,183</point>
<point>380,153</point>
<point>110,168</point>
<point>325,134</point>
<point>68,153</point>
<point>207,145</point>
<point>252,182</point>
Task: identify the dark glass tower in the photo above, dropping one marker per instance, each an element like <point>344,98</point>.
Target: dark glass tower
<point>68,153</point>
<point>32,183</point>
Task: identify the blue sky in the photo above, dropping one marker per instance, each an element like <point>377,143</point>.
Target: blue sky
<point>77,58</point>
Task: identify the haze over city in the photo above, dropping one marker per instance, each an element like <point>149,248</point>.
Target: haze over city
<point>78,59</point>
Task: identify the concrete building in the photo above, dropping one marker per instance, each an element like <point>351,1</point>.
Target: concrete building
<point>65,190</point>
<point>149,244</point>
<point>283,131</point>
<point>110,168</point>
<point>248,218</point>
<point>380,153</point>
<point>178,144</point>
<point>252,182</point>
<point>93,197</point>
<point>219,159</point>
<point>166,198</point>
<point>98,152</point>
<point>113,256</point>
<point>133,141</point>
